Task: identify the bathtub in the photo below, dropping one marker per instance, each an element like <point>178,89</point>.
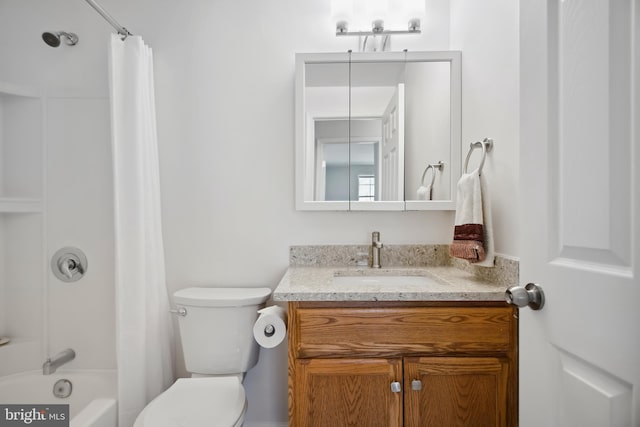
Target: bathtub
<point>92,402</point>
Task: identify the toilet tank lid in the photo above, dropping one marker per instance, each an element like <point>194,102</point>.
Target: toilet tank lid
<point>221,297</point>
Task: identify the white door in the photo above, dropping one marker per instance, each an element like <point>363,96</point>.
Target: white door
<point>580,156</point>
<point>392,148</point>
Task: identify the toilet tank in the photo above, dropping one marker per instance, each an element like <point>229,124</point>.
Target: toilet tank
<point>217,330</point>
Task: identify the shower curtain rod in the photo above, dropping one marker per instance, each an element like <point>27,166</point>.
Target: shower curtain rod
<point>121,30</point>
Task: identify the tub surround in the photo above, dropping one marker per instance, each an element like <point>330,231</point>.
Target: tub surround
<point>313,268</point>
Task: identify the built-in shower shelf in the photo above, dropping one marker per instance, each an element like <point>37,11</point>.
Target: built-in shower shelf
<point>20,205</point>
<point>12,89</point>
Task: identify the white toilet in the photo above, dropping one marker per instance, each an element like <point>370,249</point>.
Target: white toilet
<point>218,345</point>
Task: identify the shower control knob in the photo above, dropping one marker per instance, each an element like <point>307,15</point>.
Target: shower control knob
<point>530,295</point>
<point>69,264</point>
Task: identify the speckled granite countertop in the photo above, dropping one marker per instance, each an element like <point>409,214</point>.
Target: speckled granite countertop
<point>312,269</point>
<point>448,284</point>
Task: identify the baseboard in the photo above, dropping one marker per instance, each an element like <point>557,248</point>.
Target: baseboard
<point>265,424</point>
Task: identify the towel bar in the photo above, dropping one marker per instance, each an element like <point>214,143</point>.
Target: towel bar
<point>486,145</point>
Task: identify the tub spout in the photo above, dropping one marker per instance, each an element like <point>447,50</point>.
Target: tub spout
<point>58,360</point>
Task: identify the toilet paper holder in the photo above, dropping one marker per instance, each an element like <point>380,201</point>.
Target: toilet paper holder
<point>269,330</point>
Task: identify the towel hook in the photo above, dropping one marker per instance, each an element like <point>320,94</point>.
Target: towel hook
<point>486,145</point>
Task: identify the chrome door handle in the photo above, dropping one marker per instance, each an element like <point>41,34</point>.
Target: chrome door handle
<point>530,295</point>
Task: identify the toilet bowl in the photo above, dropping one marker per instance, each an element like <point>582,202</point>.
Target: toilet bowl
<point>197,402</point>
<point>216,331</point>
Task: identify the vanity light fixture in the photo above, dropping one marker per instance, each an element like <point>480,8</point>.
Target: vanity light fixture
<point>377,17</point>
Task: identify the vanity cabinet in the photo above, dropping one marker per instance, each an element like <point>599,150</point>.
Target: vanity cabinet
<point>347,392</point>
<point>402,363</point>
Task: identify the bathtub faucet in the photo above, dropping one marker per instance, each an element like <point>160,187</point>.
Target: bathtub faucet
<point>58,360</point>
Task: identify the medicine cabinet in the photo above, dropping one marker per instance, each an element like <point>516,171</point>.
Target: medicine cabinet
<point>368,125</point>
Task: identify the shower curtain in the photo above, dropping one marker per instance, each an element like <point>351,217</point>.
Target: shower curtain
<point>144,332</point>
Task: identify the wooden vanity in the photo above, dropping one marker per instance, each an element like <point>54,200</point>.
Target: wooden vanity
<point>402,363</point>
<point>443,356</point>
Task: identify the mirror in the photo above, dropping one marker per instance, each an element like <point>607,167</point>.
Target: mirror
<point>368,125</point>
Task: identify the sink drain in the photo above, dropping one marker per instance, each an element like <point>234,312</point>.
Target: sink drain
<point>62,388</point>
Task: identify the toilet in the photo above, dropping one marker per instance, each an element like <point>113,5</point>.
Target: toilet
<point>216,330</point>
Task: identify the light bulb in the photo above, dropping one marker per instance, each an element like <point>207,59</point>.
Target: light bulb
<point>414,12</point>
<point>341,14</point>
<point>376,12</point>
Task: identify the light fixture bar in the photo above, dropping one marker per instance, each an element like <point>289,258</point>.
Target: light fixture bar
<point>375,33</point>
<point>377,28</point>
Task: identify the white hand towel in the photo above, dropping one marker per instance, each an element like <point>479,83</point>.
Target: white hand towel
<point>473,206</point>
<point>469,199</point>
<point>424,192</point>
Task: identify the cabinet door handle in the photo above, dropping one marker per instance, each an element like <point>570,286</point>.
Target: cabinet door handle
<point>396,387</point>
<point>416,385</point>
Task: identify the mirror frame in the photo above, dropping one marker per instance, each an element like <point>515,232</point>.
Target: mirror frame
<point>303,156</point>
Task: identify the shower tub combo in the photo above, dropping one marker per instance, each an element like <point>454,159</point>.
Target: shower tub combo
<point>91,394</point>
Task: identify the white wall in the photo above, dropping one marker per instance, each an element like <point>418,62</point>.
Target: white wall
<point>226,89</point>
<point>225,95</point>
<point>487,33</point>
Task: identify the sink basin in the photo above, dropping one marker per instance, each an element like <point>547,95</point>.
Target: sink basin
<point>383,280</point>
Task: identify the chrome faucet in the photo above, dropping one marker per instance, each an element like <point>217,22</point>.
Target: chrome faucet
<point>376,245</point>
<point>58,360</point>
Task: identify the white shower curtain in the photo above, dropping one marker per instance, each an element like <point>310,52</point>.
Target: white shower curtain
<point>143,325</point>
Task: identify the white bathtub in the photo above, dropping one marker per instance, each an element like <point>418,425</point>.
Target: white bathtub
<point>92,402</point>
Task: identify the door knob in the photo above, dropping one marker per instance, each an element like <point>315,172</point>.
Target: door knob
<point>396,387</point>
<point>416,385</point>
<point>530,295</point>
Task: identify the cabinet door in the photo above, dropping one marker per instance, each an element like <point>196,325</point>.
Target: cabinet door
<point>455,391</point>
<point>347,392</point>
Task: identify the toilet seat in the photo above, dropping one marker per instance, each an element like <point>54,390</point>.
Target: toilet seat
<point>197,402</point>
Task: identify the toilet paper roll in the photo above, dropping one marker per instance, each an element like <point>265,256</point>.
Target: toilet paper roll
<point>271,327</point>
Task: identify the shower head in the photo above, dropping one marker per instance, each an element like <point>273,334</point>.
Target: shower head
<point>53,38</point>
